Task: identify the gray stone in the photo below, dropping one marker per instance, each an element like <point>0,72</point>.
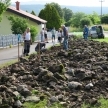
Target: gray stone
<point>71,71</point>
<point>89,86</point>
<point>74,84</point>
<point>32,99</point>
<point>21,87</point>
<point>17,103</point>
<point>16,93</point>
<point>25,92</point>
<point>54,99</point>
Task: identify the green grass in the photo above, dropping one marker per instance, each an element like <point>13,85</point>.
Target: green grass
<point>41,104</point>
<point>35,92</point>
<point>75,29</point>
<point>102,40</point>
<point>8,63</point>
<point>102,103</point>
<point>78,33</point>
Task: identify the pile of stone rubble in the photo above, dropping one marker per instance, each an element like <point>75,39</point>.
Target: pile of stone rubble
<point>68,77</point>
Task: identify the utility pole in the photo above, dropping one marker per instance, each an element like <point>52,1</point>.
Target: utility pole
<point>101,8</point>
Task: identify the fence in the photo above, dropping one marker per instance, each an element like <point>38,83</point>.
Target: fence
<point>7,40</point>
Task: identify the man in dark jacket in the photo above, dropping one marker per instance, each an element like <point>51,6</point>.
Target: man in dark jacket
<point>85,32</point>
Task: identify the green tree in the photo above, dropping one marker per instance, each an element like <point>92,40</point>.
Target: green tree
<point>42,14</point>
<point>50,14</point>
<point>104,19</point>
<point>94,18</point>
<point>85,21</point>
<point>75,20</point>
<point>58,8</point>
<point>33,13</point>
<point>34,32</point>
<point>18,25</point>
<point>67,14</point>
<point>3,6</point>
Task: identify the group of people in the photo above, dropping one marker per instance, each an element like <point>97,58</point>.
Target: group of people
<point>61,33</point>
<point>44,35</point>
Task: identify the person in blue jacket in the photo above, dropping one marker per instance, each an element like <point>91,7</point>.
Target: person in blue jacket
<point>85,32</point>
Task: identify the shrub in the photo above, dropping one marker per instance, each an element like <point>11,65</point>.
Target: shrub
<point>34,32</point>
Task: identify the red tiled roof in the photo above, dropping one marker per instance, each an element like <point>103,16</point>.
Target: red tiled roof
<point>24,13</point>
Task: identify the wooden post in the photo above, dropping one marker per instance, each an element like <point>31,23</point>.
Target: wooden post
<point>39,51</point>
<point>18,50</point>
<point>18,46</point>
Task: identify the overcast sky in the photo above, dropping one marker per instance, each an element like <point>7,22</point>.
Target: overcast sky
<point>66,2</point>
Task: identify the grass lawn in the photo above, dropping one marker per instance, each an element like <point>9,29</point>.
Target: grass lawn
<point>8,63</point>
<point>102,40</point>
<point>78,33</point>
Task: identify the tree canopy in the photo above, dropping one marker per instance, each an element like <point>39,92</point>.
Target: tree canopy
<point>104,19</point>
<point>58,8</point>
<point>85,21</point>
<point>67,14</point>
<point>50,14</point>
<point>18,25</point>
<point>94,18</point>
<point>75,20</point>
<point>3,6</point>
<point>32,12</point>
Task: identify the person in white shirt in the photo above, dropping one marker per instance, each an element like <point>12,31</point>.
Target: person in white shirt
<point>27,41</point>
<point>59,34</point>
<point>42,35</point>
<point>53,31</point>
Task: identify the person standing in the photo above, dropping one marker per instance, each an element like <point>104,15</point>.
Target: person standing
<point>85,32</point>
<point>45,35</point>
<point>59,34</point>
<point>98,31</point>
<point>42,35</point>
<point>53,34</point>
<point>27,42</point>
<point>65,34</point>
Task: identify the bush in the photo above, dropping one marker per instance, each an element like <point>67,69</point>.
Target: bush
<point>18,25</point>
<point>34,32</point>
<point>105,27</point>
<point>85,21</point>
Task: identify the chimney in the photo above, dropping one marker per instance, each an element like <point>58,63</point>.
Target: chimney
<point>17,5</point>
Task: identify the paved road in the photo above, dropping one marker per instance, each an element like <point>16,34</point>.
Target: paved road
<point>12,53</point>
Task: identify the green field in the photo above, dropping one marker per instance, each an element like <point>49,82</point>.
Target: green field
<point>102,40</point>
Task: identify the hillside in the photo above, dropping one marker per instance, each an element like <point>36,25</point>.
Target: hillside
<point>87,10</point>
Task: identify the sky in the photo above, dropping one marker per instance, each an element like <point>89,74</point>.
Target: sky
<point>66,2</point>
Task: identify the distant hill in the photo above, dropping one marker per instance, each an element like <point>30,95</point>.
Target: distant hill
<point>87,10</point>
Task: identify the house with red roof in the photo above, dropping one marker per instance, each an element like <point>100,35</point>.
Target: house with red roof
<point>5,26</point>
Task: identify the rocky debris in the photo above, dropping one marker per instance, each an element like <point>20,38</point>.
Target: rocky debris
<point>32,99</point>
<point>74,85</point>
<point>68,77</point>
